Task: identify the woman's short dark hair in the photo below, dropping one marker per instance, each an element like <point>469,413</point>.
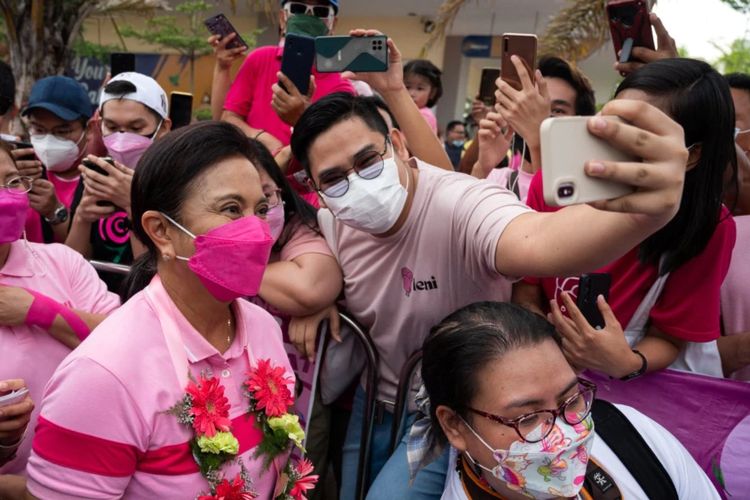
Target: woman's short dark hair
<point>165,175</point>
<point>432,73</point>
<point>698,98</point>
<point>462,344</point>
<point>554,67</point>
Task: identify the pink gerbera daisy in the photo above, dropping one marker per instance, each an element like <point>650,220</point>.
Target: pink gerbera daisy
<point>268,385</point>
<point>305,481</point>
<point>210,408</point>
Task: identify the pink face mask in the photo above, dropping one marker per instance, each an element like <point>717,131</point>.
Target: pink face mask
<point>230,260</point>
<point>13,208</point>
<point>275,219</point>
<point>128,147</point>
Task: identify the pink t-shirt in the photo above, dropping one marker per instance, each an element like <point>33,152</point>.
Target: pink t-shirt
<point>304,241</point>
<point>735,292</point>
<point>443,258</point>
<point>250,95</point>
<point>522,182</point>
<point>103,431</point>
<point>64,190</point>
<point>689,305</point>
<point>429,116</point>
<point>31,353</point>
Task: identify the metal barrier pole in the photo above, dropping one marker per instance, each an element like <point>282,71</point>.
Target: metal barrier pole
<point>109,267</point>
<point>404,386</point>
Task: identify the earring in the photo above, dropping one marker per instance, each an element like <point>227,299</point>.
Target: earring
<point>166,258</point>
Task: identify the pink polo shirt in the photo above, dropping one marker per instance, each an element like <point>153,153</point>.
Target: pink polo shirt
<point>103,431</point>
<point>31,353</point>
<point>250,95</point>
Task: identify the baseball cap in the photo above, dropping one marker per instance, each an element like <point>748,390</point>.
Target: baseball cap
<point>333,3</point>
<point>61,96</point>
<point>147,91</point>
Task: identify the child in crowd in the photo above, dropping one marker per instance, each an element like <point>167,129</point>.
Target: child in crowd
<point>422,80</point>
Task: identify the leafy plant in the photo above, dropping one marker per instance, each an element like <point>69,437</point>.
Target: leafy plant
<point>735,59</point>
<point>739,5</point>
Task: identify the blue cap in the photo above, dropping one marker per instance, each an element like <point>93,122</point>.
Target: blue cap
<point>61,96</point>
<point>334,4</point>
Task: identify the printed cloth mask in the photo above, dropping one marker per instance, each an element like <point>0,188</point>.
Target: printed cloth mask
<point>58,155</point>
<point>13,209</point>
<point>371,205</point>
<point>128,147</point>
<point>553,467</point>
<point>230,260</point>
<point>301,24</point>
<point>275,220</point>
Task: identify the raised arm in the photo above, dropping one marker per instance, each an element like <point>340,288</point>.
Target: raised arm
<point>222,79</point>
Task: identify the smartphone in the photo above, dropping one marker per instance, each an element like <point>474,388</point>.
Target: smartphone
<point>220,25</point>
<point>22,145</point>
<point>590,286</point>
<point>629,26</point>
<point>96,168</point>
<point>121,62</point>
<point>523,46</point>
<point>297,61</point>
<point>14,397</point>
<point>363,54</point>
<point>180,109</point>
<point>566,146</point>
<point>487,86</point>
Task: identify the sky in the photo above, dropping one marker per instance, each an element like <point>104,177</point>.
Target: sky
<point>695,24</point>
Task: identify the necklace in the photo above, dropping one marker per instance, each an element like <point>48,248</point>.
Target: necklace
<point>231,330</point>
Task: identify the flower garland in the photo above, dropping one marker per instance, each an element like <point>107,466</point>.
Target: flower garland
<point>205,409</point>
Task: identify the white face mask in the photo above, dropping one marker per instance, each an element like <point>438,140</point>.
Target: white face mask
<point>371,205</point>
<point>58,155</point>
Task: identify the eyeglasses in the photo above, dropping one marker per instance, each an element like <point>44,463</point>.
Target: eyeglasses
<point>335,183</point>
<point>573,411</point>
<point>19,185</point>
<point>273,197</point>
<point>297,8</point>
<point>63,133</point>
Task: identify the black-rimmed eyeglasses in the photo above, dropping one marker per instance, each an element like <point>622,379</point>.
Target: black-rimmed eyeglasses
<point>334,183</point>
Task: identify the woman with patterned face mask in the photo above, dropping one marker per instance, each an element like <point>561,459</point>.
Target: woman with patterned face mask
<point>521,425</point>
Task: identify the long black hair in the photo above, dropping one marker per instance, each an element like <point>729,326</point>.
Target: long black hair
<point>698,98</point>
<point>462,344</point>
<point>165,175</point>
<point>296,210</point>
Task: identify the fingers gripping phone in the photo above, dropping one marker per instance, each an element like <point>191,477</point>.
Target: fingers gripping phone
<point>99,170</point>
<point>523,46</point>
<point>566,146</point>
<point>121,62</point>
<point>297,61</point>
<point>590,286</point>
<point>180,109</point>
<point>13,397</point>
<point>487,86</point>
<point>23,145</point>
<point>361,54</point>
<point>220,25</point>
<point>629,26</point>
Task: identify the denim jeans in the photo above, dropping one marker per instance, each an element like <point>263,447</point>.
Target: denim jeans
<point>388,474</point>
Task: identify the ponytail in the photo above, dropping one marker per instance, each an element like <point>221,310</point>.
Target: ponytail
<point>141,273</point>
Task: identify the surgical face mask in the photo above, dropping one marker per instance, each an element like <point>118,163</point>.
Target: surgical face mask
<point>275,220</point>
<point>58,155</point>
<point>128,147</point>
<point>553,467</point>
<point>13,209</point>
<point>371,205</point>
<point>459,143</point>
<point>300,24</point>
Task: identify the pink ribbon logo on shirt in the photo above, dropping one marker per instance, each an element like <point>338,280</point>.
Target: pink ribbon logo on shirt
<point>408,278</point>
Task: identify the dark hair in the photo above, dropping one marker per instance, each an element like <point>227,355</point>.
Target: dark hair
<point>380,104</point>
<point>327,112</point>
<point>296,210</point>
<point>165,176</point>
<point>453,124</point>
<point>698,98</point>
<point>554,67</point>
<point>124,87</point>
<point>462,344</point>
<point>738,81</point>
<point>425,68</point>
<point>7,88</point>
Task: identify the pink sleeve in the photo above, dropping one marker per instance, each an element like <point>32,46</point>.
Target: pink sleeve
<point>535,200</point>
<point>689,307</point>
<point>499,176</point>
<point>240,96</point>
<point>88,437</point>
<point>304,240</point>
<point>430,117</point>
<point>88,291</point>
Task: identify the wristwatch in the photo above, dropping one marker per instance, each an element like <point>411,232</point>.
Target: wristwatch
<point>640,371</point>
<point>59,216</point>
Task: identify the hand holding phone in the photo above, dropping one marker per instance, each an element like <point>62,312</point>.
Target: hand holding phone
<point>487,86</point>
<point>93,166</point>
<point>297,61</point>
<point>590,286</point>
<point>359,54</point>
<point>13,397</point>
<point>524,47</point>
<point>220,25</point>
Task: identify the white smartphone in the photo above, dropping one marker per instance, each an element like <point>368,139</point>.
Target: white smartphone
<point>14,397</point>
<point>566,146</point>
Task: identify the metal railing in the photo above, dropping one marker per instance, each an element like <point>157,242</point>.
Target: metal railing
<point>404,388</point>
<point>109,267</point>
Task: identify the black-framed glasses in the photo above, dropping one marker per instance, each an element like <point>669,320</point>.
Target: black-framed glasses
<point>19,185</point>
<point>573,411</point>
<point>297,8</point>
<point>334,183</point>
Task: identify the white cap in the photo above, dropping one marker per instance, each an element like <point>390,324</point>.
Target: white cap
<point>148,92</point>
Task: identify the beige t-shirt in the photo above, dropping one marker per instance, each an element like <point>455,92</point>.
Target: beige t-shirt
<point>442,259</point>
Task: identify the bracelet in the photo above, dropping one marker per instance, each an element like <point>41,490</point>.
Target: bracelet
<point>259,134</point>
<point>640,371</point>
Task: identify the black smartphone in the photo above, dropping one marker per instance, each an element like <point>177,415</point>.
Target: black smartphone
<point>180,109</point>
<point>121,62</point>
<point>220,25</point>
<point>297,61</point>
<point>99,170</point>
<point>23,145</point>
<point>630,26</point>
<point>590,286</point>
<point>487,87</point>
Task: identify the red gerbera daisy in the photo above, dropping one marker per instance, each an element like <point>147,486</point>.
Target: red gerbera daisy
<point>210,407</point>
<point>230,491</point>
<point>268,385</point>
<point>305,481</point>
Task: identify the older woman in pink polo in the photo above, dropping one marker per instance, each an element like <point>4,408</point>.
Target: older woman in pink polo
<point>184,392</point>
<point>50,299</point>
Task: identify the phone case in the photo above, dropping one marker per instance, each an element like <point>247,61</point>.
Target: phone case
<point>629,26</point>
<point>348,53</point>
<point>590,286</point>
<point>487,86</point>
<point>566,146</point>
<point>220,25</point>
<point>523,46</point>
<point>180,109</point>
<point>297,61</point>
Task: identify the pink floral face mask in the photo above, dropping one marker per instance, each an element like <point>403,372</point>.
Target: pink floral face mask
<point>230,260</point>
